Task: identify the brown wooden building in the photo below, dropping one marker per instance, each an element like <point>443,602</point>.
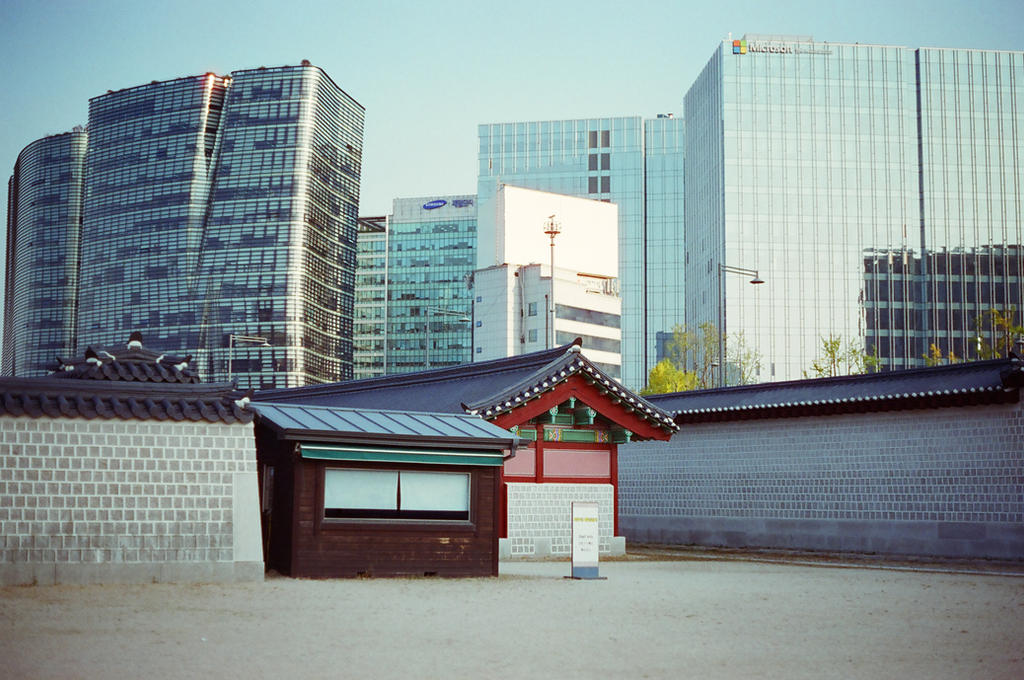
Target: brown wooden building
<point>348,492</point>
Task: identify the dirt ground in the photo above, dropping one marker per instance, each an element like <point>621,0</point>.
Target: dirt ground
<point>677,618</point>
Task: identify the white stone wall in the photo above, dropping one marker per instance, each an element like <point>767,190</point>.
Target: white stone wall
<point>85,501</point>
<point>540,520</point>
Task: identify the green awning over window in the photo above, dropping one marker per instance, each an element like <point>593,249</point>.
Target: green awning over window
<point>386,454</point>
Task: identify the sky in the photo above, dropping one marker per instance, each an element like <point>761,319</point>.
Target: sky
<point>428,73</point>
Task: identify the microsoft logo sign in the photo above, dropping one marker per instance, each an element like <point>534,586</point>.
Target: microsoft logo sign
<point>742,47</point>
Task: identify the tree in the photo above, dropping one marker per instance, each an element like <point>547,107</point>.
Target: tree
<point>839,359</point>
<point>665,377</point>
<point>1003,327</point>
<point>694,352</point>
<point>935,358</point>
<point>745,361</point>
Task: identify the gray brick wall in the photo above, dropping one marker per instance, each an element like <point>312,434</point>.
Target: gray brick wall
<point>943,482</point>
<point>541,513</point>
<point>113,500</point>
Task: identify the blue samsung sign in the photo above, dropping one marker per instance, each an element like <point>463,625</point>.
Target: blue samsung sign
<point>435,204</point>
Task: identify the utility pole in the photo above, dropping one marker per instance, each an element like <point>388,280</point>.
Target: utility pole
<point>552,228</point>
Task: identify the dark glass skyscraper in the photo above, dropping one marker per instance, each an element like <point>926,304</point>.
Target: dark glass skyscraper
<point>43,220</point>
<point>148,172</point>
<point>217,210</point>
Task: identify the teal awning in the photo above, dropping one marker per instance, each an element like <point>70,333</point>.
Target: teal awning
<point>387,454</point>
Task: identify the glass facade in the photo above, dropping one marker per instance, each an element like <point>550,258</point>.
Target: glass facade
<point>216,207</point>
<point>971,118</point>
<point>369,330</point>
<point>822,166</point>
<point>43,220</point>
<point>147,180</point>
<point>279,250</point>
<point>632,162</point>
<point>431,255</point>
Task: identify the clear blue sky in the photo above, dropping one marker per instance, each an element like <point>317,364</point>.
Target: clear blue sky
<point>429,72</point>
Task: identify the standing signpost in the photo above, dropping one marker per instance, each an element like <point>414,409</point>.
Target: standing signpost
<point>585,538</point>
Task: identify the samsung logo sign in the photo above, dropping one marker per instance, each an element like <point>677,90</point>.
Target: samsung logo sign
<point>456,203</point>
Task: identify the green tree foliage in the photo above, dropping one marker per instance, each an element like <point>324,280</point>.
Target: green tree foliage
<point>935,358</point>
<point>665,378</point>
<point>839,358</point>
<point>694,352</point>
<point>998,331</point>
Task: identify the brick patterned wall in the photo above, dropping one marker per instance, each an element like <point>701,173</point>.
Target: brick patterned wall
<point>541,512</point>
<point>933,482</point>
<point>113,500</point>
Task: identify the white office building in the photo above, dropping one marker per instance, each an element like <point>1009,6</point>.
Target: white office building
<point>517,308</point>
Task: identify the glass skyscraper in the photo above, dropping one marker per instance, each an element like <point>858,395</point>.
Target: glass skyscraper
<point>217,207</point>
<point>431,255</point>
<point>147,180</point>
<point>44,212</point>
<point>632,162</point>
<point>838,172</point>
<point>369,328</point>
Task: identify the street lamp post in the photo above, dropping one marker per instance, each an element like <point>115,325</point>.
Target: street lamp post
<point>724,269</point>
<point>552,228</point>
<point>250,339</point>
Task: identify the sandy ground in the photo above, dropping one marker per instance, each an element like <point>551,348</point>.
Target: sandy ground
<point>649,619</point>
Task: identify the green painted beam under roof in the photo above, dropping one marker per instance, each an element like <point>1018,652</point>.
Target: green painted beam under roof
<point>385,454</point>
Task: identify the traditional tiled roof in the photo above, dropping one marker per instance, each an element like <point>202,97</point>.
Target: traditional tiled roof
<point>487,388</point>
<point>131,362</point>
<point>569,363</point>
<point>964,384</point>
<point>129,383</point>
<point>441,390</point>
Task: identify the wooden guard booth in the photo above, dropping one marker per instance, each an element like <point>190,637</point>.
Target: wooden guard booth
<point>347,492</point>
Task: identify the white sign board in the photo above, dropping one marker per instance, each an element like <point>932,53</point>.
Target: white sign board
<point>585,537</point>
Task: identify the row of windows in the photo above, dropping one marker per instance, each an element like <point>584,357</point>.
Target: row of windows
<point>591,316</point>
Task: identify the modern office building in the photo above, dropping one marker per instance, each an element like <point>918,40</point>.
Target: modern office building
<point>806,160</point>
<point>519,307</point>
<point>514,315</point>
<point>218,217</point>
<point>370,322</point>
<point>633,162</point>
<point>935,302</point>
<point>431,251</point>
<point>44,213</point>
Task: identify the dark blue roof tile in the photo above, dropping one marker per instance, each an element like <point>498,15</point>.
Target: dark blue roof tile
<point>994,381</point>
